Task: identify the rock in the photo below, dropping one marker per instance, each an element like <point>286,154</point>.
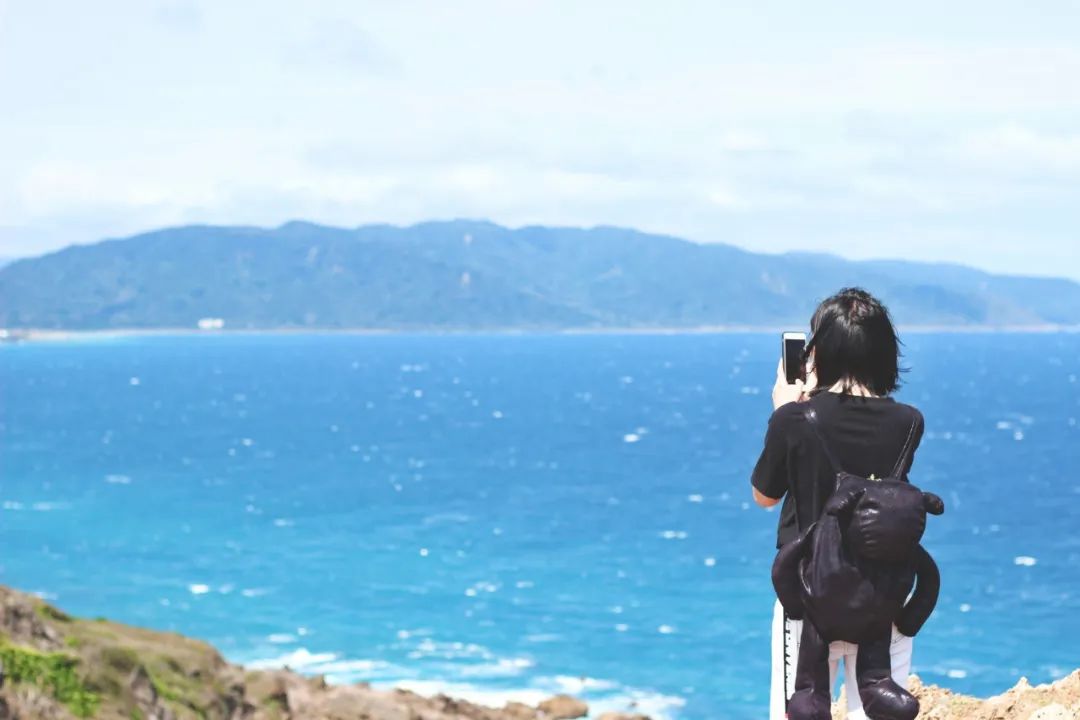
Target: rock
<point>519,710</point>
<point>622,716</point>
<point>29,621</point>
<point>145,696</point>
<point>563,707</point>
<point>1056,701</point>
<point>1056,711</point>
<point>142,689</point>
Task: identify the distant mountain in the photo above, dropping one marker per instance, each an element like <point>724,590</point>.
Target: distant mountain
<point>478,275</point>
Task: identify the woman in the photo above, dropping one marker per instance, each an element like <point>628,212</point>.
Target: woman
<point>852,368</point>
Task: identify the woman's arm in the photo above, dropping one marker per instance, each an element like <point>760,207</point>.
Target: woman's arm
<point>764,500</point>
<point>769,480</point>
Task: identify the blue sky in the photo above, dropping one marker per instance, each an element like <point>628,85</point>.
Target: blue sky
<point>936,131</point>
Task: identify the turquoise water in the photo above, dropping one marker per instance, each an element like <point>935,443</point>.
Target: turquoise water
<point>510,516</point>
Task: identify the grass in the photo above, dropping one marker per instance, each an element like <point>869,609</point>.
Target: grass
<point>55,673</point>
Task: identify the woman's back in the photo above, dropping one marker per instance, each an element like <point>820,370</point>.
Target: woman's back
<point>866,435</point>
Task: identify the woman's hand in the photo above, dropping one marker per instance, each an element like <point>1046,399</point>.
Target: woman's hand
<point>783,392</point>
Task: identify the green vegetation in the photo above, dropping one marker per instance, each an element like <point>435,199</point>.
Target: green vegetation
<point>476,275</point>
<point>121,659</point>
<point>109,671</point>
<point>56,673</point>
<point>48,612</point>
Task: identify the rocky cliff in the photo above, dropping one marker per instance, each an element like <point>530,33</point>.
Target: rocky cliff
<point>57,667</point>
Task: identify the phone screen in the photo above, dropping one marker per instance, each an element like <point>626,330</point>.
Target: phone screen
<point>794,343</point>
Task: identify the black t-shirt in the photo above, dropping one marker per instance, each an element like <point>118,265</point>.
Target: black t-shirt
<point>865,434</point>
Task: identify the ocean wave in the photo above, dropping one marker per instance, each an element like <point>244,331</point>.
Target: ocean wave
<point>601,695</point>
<point>40,506</point>
<point>572,685</point>
<point>429,648</point>
<point>302,660</point>
<point>466,681</point>
<point>503,667</point>
<point>489,696</point>
<point>335,668</point>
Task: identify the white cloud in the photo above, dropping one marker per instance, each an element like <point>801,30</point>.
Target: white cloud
<point>1014,148</point>
<point>775,126</point>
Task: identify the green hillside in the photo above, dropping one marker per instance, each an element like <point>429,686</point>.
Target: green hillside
<point>478,275</point>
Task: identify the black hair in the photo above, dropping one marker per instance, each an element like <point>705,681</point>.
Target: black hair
<point>854,342</point>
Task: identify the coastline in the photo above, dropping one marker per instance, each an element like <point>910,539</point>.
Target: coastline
<point>16,335</point>
<point>60,667</point>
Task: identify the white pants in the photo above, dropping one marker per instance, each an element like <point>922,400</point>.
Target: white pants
<point>788,634</point>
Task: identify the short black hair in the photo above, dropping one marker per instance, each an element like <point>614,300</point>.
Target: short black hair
<point>854,342</point>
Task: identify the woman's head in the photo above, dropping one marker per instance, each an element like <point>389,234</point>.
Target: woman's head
<point>853,342</point>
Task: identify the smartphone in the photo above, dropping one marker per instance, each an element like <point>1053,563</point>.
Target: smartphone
<point>792,346</point>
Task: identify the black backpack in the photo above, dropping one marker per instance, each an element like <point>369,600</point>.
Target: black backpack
<point>858,562</point>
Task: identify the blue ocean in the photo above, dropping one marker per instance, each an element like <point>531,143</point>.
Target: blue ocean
<point>510,516</point>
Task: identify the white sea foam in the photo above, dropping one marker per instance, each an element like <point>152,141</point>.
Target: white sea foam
<point>430,648</point>
<point>572,685</point>
<point>631,438</point>
<point>1024,560</point>
<point>301,660</point>
<point>489,697</point>
<point>281,638</point>
<point>601,694</point>
<point>118,479</point>
<point>651,704</point>
<point>198,589</point>
<point>503,667</point>
<point>341,672</point>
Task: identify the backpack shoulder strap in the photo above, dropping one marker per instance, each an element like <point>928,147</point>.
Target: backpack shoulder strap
<point>905,453</point>
<point>815,424</point>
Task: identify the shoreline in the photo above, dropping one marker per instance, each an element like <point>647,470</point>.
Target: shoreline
<point>104,669</point>
<point>17,335</point>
